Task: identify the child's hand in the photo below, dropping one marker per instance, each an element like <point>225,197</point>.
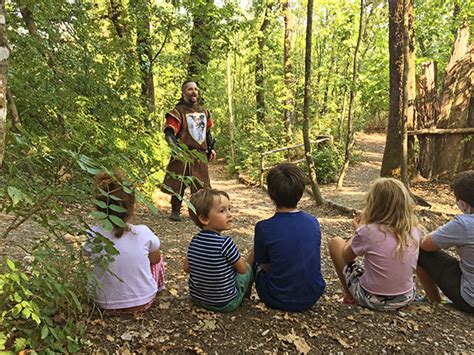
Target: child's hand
<point>357,221</point>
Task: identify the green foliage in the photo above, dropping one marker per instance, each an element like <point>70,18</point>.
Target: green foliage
<point>328,160</point>
<point>42,303</point>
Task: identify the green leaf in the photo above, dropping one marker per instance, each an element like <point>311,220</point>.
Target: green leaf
<point>117,221</point>
<point>99,215</point>
<point>151,207</point>
<point>44,332</point>
<point>106,194</point>
<point>76,300</point>
<point>20,344</point>
<point>127,189</point>
<point>11,264</point>
<point>107,225</point>
<point>190,205</point>
<point>26,312</point>
<point>117,208</point>
<point>15,194</point>
<point>101,204</point>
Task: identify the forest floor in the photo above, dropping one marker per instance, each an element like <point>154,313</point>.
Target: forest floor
<point>174,325</point>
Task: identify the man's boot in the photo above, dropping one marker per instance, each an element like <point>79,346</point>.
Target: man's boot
<point>175,209</point>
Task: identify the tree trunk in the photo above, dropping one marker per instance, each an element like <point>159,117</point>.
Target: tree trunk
<point>409,92</point>
<point>307,92</point>
<point>201,40</point>
<point>427,111</point>
<point>452,153</point>
<point>289,101</point>
<point>259,68</point>
<point>145,56</point>
<point>349,133</point>
<point>391,162</point>
<point>4,54</point>
<point>231,111</point>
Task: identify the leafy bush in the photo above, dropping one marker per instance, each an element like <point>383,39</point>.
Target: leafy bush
<point>328,160</point>
<point>41,304</point>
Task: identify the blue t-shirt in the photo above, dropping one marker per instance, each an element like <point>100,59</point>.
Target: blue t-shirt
<point>212,276</point>
<point>291,244</point>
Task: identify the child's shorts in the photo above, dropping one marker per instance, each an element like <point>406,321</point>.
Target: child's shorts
<point>445,272</point>
<point>242,283</point>
<point>352,273</point>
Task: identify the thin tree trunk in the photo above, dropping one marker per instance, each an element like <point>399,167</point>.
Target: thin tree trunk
<point>289,101</point>
<point>201,40</point>
<point>4,55</point>
<point>231,111</point>
<point>393,147</point>
<point>145,56</point>
<point>307,92</point>
<point>259,67</point>
<point>349,133</point>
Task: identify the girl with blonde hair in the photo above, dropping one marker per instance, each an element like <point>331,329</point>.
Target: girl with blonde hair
<point>131,281</point>
<point>387,237</point>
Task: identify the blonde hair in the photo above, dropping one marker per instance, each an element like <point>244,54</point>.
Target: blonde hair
<point>389,203</point>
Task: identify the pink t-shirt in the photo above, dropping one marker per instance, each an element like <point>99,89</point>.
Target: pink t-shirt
<point>129,282</point>
<point>385,273</point>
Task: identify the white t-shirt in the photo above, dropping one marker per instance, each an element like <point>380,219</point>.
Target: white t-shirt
<point>128,282</point>
<point>459,232</point>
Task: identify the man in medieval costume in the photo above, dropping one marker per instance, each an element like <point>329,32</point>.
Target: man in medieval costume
<point>188,123</point>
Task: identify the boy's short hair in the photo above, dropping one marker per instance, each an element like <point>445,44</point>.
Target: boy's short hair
<point>463,186</point>
<point>286,184</point>
<point>202,201</point>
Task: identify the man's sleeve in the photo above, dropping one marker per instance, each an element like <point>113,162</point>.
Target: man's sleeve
<point>260,252</point>
<point>451,234</point>
<point>173,121</point>
<point>209,120</point>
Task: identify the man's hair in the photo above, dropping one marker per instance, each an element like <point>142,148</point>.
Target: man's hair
<point>202,201</point>
<point>463,186</point>
<point>186,83</point>
<point>286,184</point>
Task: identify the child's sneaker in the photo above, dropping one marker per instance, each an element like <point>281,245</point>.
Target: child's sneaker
<point>347,300</point>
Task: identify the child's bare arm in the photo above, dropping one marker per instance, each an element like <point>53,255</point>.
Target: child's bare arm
<point>154,256</point>
<point>240,266</point>
<point>427,244</point>
<point>347,252</point>
<point>186,265</point>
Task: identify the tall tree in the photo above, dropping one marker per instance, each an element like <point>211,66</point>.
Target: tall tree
<point>307,100</point>
<point>349,133</point>
<point>4,54</point>
<point>401,52</point>
<point>259,66</point>
<point>201,38</point>
<point>145,55</point>
<point>289,100</point>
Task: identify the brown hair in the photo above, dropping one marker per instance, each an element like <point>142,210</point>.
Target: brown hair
<point>286,184</point>
<point>389,203</point>
<point>463,186</point>
<point>114,194</point>
<point>202,201</point>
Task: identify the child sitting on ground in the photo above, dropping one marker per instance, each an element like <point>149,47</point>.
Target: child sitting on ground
<point>287,247</point>
<point>219,277</point>
<point>436,268</point>
<point>388,240</point>
<point>131,281</point>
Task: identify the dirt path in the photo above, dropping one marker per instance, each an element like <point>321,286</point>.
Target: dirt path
<point>173,325</point>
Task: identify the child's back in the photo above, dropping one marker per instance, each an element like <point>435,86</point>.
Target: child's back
<point>291,243</point>
<point>128,282</point>
<point>211,258</point>
<point>386,272</point>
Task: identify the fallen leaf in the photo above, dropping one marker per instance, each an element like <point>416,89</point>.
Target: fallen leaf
<point>127,336</point>
<point>265,332</point>
<point>300,344</point>
<point>173,292</point>
<point>110,338</point>
<point>341,341</point>
<point>164,305</point>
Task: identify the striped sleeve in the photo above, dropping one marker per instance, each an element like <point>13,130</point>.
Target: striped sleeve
<point>230,251</point>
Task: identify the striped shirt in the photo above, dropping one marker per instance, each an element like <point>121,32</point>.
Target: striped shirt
<point>212,276</point>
